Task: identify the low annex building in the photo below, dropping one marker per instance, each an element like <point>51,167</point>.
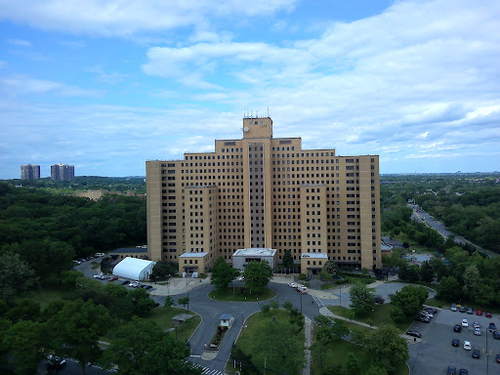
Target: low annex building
<point>133,268</point>
<point>312,263</point>
<point>242,257</point>
<point>191,263</point>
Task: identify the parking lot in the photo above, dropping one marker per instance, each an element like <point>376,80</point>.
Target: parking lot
<point>435,353</point>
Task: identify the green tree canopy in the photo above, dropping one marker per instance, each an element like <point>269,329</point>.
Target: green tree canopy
<point>362,301</point>
<point>142,348</point>
<point>223,273</point>
<point>288,260</point>
<point>74,331</point>
<point>387,349</point>
<point>257,275</point>
<point>15,276</point>
<point>410,299</point>
<point>283,347</point>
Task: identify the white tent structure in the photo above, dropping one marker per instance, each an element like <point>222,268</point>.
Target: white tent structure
<point>135,269</point>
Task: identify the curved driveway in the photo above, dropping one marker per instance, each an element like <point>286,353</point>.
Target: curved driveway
<point>210,311</point>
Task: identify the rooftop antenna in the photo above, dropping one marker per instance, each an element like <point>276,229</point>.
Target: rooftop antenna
<point>267,111</point>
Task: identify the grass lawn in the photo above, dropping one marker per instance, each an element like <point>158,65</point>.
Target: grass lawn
<point>350,281</point>
<point>240,295</point>
<point>336,353</point>
<point>379,317</point>
<point>248,335</point>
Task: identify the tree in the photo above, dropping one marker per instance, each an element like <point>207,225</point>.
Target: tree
<point>339,329</point>
<point>75,330</point>
<point>25,341</point>
<point>362,301</point>
<point>471,281</point>
<point>410,299</point>
<point>183,301</point>
<point>257,275</point>
<point>287,260</point>
<point>333,370</point>
<point>223,273</point>
<point>141,301</point>
<point>352,365</point>
<point>26,309</point>
<point>283,348</point>
<point>409,274</point>
<point>169,302</point>
<point>449,288</point>
<point>426,272</point>
<point>388,350</point>
<point>374,370</point>
<point>142,348</point>
<point>15,276</point>
<point>331,267</point>
<point>163,270</point>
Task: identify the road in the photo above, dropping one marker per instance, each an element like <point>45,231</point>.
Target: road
<point>210,311</point>
<point>425,218</point>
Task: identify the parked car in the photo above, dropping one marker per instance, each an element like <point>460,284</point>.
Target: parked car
<point>302,289</point>
<point>455,342</point>
<point>98,255</point>
<point>55,363</point>
<point>477,331</point>
<point>476,354</point>
<point>378,299</point>
<point>148,287</point>
<point>476,325</point>
<point>414,333</point>
<point>457,328</point>
<point>487,314</point>
<point>470,311</point>
<point>451,371</point>
<point>479,312</point>
<point>496,335</point>
<point>462,309</point>
<point>423,319</point>
<point>465,323</point>
<point>467,345</point>
<point>453,307</point>
<point>497,358</point>
<point>492,327</point>
<point>463,372</point>
<point>293,285</point>
<point>113,278</point>
<point>124,282</point>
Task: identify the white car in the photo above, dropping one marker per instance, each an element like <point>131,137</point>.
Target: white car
<point>467,345</point>
<point>465,323</point>
<point>477,325</point>
<point>293,285</point>
<point>477,331</point>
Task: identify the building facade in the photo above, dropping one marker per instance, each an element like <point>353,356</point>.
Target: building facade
<point>265,192</point>
<point>30,172</point>
<point>62,172</point>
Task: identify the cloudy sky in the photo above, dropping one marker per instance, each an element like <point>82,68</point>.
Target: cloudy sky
<point>107,84</point>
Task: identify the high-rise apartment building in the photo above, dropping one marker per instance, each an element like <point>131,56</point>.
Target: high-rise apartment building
<point>264,192</point>
<point>30,172</point>
<point>62,172</point>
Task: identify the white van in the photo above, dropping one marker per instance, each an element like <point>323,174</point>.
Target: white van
<point>97,255</point>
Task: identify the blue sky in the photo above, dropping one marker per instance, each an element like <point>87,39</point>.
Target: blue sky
<point>106,85</point>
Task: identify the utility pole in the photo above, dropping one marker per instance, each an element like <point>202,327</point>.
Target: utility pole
<point>265,363</point>
<point>340,288</point>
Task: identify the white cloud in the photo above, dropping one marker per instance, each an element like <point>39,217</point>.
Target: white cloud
<point>126,17</point>
<point>19,85</point>
<point>19,42</point>
<point>108,77</point>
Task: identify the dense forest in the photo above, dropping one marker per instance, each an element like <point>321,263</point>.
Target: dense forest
<point>469,204</point>
<point>84,183</point>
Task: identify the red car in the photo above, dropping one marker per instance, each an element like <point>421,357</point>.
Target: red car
<point>487,314</point>
<point>113,279</point>
<point>479,312</point>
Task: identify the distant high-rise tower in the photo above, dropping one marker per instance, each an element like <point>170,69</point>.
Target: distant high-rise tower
<point>62,172</point>
<point>30,172</point>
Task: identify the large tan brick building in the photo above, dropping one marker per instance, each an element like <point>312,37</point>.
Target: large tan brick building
<point>265,192</point>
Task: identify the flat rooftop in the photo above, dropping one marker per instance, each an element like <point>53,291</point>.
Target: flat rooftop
<point>255,252</point>
<point>314,255</point>
<point>193,255</point>
<point>130,250</point>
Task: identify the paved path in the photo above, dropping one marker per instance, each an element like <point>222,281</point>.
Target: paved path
<point>308,343</point>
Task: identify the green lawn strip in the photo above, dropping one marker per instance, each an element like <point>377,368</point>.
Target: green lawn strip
<point>248,335</point>
<point>235,295</point>
<point>336,352</point>
<point>380,316</point>
<point>163,317</point>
